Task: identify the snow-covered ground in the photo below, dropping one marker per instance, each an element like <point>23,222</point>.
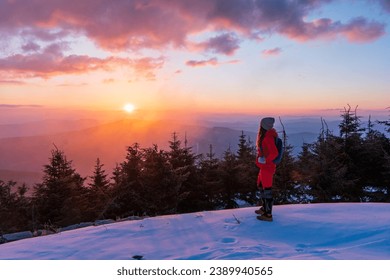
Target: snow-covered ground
<point>353,231</point>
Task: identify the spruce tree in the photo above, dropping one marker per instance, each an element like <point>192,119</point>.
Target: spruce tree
<point>185,173</point>
<point>374,166</point>
<point>99,192</point>
<point>15,208</point>
<point>247,170</point>
<point>322,170</point>
<point>350,126</point>
<point>127,187</point>
<point>351,134</point>
<point>159,190</point>
<point>285,187</point>
<point>99,179</point>
<point>229,174</point>
<point>6,207</point>
<point>304,171</point>
<point>60,199</point>
<point>386,123</point>
<point>209,188</point>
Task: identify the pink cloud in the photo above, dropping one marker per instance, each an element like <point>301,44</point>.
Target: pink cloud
<point>361,31</point>
<point>358,30</point>
<point>225,44</point>
<point>43,27</point>
<point>12,82</point>
<point>51,62</point>
<point>200,63</point>
<point>31,46</point>
<point>166,23</point>
<point>271,52</point>
<point>46,66</point>
<point>45,34</point>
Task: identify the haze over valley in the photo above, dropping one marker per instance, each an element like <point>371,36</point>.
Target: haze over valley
<point>26,147</point>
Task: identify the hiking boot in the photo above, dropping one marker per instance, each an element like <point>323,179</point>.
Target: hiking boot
<point>265,217</point>
<point>260,211</point>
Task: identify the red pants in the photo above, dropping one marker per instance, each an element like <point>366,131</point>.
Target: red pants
<point>265,177</point>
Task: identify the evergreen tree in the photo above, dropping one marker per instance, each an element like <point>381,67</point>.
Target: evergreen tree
<point>351,133</point>
<point>99,178</point>
<point>158,191</point>
<point>347,168</point>
<point>247,170</point>
<point>185,173</point>
<point>99,192</point>
<point>127,187</point>
<point>323,170</point>
<point>374,166</point>
<point>350,125</point>
<point>60,199</point>
<point>210,182</point>
<point>386,124</point>
<point>304,170</point>
<point>15,208</point>
<point>116,176</point>
<point>229,175</point>
<point>285,189</point>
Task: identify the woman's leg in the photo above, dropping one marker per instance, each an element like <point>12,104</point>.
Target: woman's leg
<point>268,201</point>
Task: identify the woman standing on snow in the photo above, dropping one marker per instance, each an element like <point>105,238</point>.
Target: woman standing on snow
<point>266,153</point>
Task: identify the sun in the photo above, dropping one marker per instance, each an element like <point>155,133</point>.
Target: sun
<point>129,108</point>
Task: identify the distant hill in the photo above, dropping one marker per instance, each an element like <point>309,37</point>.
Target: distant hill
<point>109,142</point>
<point>44,127</point>
<point>298,139</point>
<point>23,157</point>
<point>29,178</point>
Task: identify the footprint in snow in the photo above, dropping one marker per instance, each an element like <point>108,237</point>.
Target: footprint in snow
<point>229,240</point>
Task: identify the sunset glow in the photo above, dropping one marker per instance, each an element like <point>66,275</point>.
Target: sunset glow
<point>129,108</point>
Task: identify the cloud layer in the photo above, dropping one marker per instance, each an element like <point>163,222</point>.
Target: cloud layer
<point>42,31</point>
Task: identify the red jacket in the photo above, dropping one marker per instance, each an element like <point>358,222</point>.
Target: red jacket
<point>268,151</point>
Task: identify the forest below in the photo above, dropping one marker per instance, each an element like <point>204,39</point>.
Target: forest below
<point>353,166</point>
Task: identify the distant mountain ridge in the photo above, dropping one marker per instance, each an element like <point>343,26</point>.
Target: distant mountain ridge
<point>83,143</point>
<point>108,142</point>
<point>44,127</point>
<point>29,178</point>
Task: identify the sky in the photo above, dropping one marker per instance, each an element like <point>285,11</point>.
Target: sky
<point>219,56</point>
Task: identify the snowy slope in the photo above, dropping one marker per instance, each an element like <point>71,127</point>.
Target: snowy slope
<point>302,232</point>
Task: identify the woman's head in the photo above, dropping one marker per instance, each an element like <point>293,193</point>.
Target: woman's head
<point>265,124</point>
